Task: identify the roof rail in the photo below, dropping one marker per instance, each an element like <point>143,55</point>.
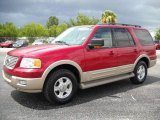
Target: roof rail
<point>129,25</point>
<point>119,24</point>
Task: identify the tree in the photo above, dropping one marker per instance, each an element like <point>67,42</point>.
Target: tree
<point>52,31</point>
<point>109,17</point>
<point>55,30</point>
<point>157,35</point>
<point>60,28</point>
<point>94,21</point>
<point>83,19</point>
<point>37,30</point>
<point>8,30</point>
<point>72,22</point>
<point>1,30</point>
<point>34,30</point>
<point>52,20</point>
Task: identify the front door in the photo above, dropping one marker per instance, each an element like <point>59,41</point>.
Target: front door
<point>99,62</point>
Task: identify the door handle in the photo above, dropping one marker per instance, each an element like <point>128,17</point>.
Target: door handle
<point>135,50</point>
<point>111,53</point>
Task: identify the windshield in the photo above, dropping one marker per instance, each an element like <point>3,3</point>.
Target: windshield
<point>8,41</point>
<point>74,35</point>
<point>39,40</point>
<point>19,42</point>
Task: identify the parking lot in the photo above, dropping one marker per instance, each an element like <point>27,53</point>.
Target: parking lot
<point>116,101</point>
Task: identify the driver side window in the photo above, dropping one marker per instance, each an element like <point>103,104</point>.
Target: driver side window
<point>105,34</point>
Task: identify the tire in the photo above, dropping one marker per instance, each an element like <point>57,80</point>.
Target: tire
<point>60,87</point>
<point>140,72</point>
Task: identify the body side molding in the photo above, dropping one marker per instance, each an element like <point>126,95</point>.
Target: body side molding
<point>140,57</point>
<point>62,62</point>
<point>98,82</point>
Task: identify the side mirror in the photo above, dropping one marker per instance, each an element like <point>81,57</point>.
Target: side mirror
<point>96,43</point>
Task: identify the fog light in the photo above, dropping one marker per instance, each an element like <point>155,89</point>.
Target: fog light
<point>23,82</point>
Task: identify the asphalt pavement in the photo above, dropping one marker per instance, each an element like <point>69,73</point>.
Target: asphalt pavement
<point>115,101</point>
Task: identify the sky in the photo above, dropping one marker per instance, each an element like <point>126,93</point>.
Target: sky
<point>141,12</point>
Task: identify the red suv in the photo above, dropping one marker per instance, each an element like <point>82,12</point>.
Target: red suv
<point>81,57</point>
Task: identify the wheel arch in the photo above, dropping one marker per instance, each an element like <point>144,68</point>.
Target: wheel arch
<point>65,64</point>
<point>144,58</point>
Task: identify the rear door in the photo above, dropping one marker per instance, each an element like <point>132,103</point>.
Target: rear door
<point>127,51</point>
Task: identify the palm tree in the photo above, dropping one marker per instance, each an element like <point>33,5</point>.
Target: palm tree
<point>109,17</point>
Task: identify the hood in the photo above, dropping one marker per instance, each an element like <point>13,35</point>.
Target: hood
<point>17,45</point>
<point>36,50</point>
<point>37,43</point>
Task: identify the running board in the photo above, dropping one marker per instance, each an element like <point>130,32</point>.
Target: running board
<point>98,82</point>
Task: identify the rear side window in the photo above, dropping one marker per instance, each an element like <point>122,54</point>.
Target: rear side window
<point>144,37</point>
<point>123,38</point>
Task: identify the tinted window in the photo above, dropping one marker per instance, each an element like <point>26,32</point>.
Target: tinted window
<point>131,39</point>
<point>105,34</point>
<point>123,38</point>
<point>74,35</point>
<point>144,37</point>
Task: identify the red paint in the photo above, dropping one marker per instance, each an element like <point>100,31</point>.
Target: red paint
<point>157,45</point>
<point>6,44</point>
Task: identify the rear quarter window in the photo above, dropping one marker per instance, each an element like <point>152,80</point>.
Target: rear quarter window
<point>144,37</point>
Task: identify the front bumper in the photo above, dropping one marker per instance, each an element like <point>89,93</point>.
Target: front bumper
<point>32,85</point>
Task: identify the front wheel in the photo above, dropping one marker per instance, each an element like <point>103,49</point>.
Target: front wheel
<point>60,87</point>
<point>140,72</point>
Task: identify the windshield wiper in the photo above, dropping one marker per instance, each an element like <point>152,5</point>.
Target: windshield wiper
<point>61,42</point>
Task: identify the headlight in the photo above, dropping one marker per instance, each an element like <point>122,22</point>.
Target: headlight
<point>30,63</point>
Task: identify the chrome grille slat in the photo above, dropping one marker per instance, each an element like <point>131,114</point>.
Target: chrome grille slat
<point>10,61</point>
<point>11,64</point>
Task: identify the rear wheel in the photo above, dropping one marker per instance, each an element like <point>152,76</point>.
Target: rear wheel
<point>61,86</point>
<point>140,72</point>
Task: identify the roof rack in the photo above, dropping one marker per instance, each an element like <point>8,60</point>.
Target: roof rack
<point>129,25</point>
<point>119,24</point>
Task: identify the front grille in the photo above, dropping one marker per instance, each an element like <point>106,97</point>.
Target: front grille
<point>10,61</point>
